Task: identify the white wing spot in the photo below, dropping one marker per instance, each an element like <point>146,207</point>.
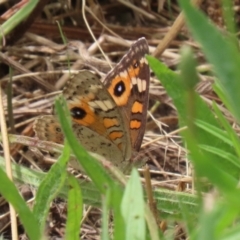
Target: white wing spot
<point>123,74</point>
<point>101,105</point>
<point>144,85</point>
<point>143,60</point>
<point>139,84</point>
<point>134,81</point>
<point>109,104</point>
<point>104,105</point>
<point>93,104</point>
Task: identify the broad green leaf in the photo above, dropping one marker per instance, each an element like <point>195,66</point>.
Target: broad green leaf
<point>132,207</point>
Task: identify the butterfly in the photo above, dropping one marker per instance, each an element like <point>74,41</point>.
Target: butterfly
<point>109,116</point>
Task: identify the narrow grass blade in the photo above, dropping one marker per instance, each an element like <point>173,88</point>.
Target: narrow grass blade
<point>17,18</point>
<point>166,200</point>
<point>218,152</point>
<point>50,186</point>
<point>220,51</point>
<point>75,209</point>
<point>10,193</point>
<point>235,142</point>
<point>215,131</point>
<point>105,216</point>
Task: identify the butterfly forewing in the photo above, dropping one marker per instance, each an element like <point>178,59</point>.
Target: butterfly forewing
<point>128,84</point>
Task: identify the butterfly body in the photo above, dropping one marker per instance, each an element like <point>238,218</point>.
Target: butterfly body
<point>108,117</point>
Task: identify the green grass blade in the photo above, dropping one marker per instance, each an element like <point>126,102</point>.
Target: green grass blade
<point>10,193</point>
<point>119,224</point>
<point>75,209</point>
<point>50,187</point>
<point>215,131</point>
<point>167,201</point>
<point>232,234</point>
<point>216,218</point>
<point>225,177</point>
<point>105,216</point>
<point>172,84</point>
<point>235,142</point>
<point>132,207</point>
<point>222,53</point>
<point>17,18</point>
<point>152,225</point>
<point>228,156</point>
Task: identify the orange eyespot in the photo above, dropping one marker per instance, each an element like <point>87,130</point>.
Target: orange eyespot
<point>120,89</point>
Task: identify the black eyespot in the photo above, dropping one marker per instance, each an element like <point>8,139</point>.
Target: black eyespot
<point>136,64</point>
<point>78,113</point>
<point>119,89</point>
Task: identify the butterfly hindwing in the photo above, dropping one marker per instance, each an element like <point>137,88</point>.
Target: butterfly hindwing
<point>47,128</point>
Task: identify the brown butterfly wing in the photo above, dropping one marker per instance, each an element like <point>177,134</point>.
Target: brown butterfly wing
<point>128,84</point>
<point>47,128</point>
<point>92,106</point>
